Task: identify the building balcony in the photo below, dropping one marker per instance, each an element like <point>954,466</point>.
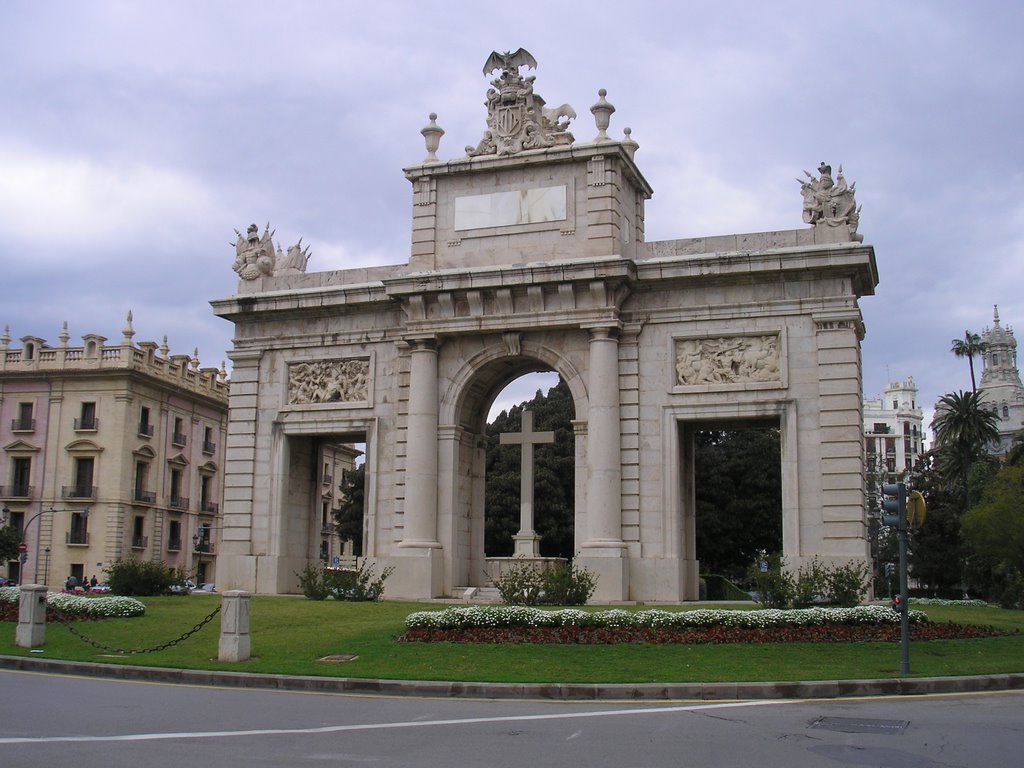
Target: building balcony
<point>328,479</point>
<point>23,425</point>
<point>17,491</point>
<point>210,507</point>
<point>77,538</point>
<point>174,545</point>
<point>146,497</point>
<point>78,492</point>
<point>87,425</point>
<point>209,448</point>
<point>145,430</point>
<point>179,439</point>
<point>204,547</point>
<point>178,502</point>
<point>140,542</point>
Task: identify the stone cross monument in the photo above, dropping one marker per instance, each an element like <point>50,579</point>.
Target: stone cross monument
<point>527,541</point>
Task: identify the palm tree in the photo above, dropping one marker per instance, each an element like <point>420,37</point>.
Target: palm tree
<point>969,346</point>
<point>963,427</point>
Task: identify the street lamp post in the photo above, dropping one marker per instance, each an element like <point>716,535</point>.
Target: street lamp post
<point>197,541</point>
<point>5,516</point>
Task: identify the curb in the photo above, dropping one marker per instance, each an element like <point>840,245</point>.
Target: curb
<point>808,689</point>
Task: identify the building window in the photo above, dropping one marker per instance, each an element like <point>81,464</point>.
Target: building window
<point>82,487</point>
<point>174,536</point>
<point>87,421</point>
<point>79,533</point>
<point>139,541</point>
<point>178,500</point>
<point>17,522</point>
<point>24,422</point>
<point>206,502</point>
<point>142,483</point>
<point>145,427</point>
<point>179,437</point>
<point>895,405</point>
<point>208,444</point>
<point>21,478</point>
<point>1006,411</point>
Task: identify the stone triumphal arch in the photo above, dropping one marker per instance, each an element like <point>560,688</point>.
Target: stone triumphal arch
<point>528,254</point>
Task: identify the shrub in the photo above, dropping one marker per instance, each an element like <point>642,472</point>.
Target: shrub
<point>774,587</point>
<point>811,585</point>
<point>75,605</point>
<point>848,584</point>
<point>526,584</point>
<point>357,585</point>
<point>311,580</point>
<point>1013,594</point>
<point>142,577</point>
<point>566,585</point>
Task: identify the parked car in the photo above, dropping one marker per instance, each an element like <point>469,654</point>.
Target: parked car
<point>183,588</point>
<point>5,582</point>
<point>206,587</point>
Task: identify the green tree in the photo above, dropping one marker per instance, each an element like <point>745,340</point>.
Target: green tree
<point>738,483</point>
<point>348,518</point>
<point>994,528</point>
<point>970,346</point>
<point>936,552</point>
<point>554,477</point>
<point>963,427</point>
<point>9,541</point>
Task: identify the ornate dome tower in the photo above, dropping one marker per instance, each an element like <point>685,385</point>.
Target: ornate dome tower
<point>1000,381</point>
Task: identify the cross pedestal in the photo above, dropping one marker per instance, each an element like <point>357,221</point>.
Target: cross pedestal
<point>527,542</point>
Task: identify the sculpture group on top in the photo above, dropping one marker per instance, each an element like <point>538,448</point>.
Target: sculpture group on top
<point>517,118</point>
<point>830,203</point>
<point>255,256</point>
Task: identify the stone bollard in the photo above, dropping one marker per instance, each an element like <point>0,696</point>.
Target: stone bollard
<point>234,626</point>
<point>31,631</point>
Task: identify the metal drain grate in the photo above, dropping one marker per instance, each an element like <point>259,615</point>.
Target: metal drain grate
<point>860,725</point>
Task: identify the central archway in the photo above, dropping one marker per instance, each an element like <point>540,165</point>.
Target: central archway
<point>465,403</point>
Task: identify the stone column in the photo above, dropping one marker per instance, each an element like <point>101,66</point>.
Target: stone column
<point>419,561</point>
<point>604,462</point>
<point>235,644</point>
<point>603,551</point>
<point>31,631</point>
<point>421,448</point>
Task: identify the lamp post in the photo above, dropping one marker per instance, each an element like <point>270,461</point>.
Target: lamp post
<point>46,564</point>
<point>197,541</point>
<point>84,512</point>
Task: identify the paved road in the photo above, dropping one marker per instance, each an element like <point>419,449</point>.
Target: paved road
<point>52,720</point>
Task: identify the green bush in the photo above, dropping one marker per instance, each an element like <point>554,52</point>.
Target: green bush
<point>715,587</point>
<point>142,577</point>
<point>813,583</point>
<point>774,587</point>
<point>1013,594</point>
<point>848,584</point>
<point>357,585</point>
<point>562,584</point>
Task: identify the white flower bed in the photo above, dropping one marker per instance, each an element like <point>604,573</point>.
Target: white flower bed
<point>522,616</point>
<point>80,605</point>
<point>939,601</point>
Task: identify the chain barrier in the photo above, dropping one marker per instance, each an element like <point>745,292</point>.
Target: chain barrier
<point>134,651</point>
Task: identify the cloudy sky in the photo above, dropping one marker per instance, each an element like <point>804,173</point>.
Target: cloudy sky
<point>136,136</point>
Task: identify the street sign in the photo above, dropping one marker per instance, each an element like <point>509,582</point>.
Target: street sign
<point>336,560</point>
<point>23,547</point>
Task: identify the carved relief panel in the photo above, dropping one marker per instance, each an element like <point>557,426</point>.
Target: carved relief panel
<point>329,381</point>
<point>728,360</point>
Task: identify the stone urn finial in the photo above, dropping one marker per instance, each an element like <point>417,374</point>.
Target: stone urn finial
<point>628,143</point>
<point>602,112</point>
<point>432,136</point>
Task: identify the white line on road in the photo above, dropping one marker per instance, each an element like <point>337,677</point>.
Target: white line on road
<point>382,726</point>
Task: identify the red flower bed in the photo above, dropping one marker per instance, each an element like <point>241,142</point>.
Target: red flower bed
<point>697,635</point>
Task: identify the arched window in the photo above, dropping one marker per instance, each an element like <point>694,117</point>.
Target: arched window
<point>1006,411</point>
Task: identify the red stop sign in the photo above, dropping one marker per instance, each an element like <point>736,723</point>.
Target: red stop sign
<point>23,547</point>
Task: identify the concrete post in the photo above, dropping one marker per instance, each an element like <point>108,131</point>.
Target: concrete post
<point>31,631</point>
<point>235,644</point>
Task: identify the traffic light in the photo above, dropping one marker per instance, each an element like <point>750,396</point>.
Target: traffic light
<point>894,505</point>
<point>897,602</point>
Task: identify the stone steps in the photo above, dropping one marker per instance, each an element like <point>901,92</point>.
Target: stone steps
<point>476,594</point>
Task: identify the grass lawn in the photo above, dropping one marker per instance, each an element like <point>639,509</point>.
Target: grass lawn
<point>290,634</point>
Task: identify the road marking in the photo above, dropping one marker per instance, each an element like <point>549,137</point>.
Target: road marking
<point>384,726</point>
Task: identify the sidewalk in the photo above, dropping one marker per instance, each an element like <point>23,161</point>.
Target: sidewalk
<point>811,689</point>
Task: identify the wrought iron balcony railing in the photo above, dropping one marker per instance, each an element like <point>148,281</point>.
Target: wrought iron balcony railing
<point>78,492</point>
<point>146,497</point>
<point>179,502</point>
